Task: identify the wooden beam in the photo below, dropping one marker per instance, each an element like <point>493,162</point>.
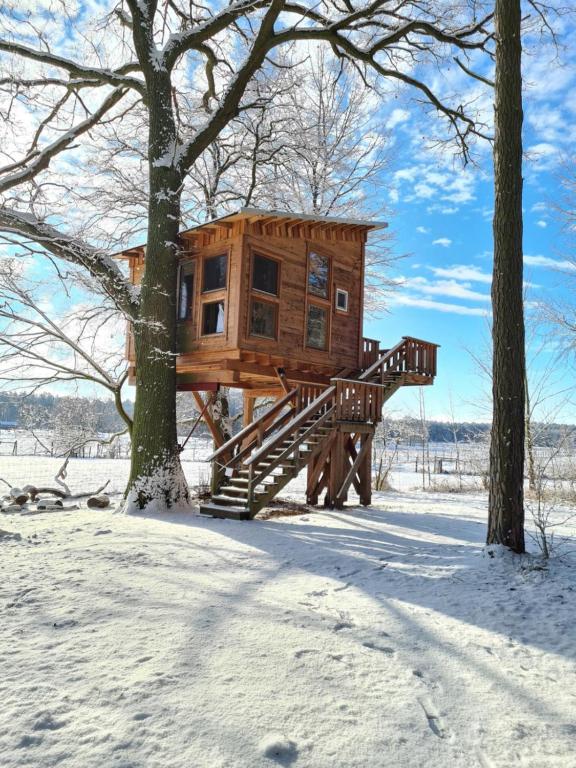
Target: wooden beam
<point>215,431</point>
<point>365,474</point>
<point>283,380</point>
<point>248,411</point>
<point>360,457</point>
<point>316,469</point>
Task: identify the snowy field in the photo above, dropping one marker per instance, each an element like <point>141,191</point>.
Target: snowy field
<point>363,638</point>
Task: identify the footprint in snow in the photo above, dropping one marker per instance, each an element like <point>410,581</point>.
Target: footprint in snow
<point>304,652</point>
<point>67,623</point>
<point>277,747</point>
<point>435,721</point>
<point>340,625</point>
<point>382,648</point>
<point>29,741</point>
<point>46,722</point>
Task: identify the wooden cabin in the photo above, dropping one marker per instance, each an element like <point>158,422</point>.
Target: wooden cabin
<point>272,303</point>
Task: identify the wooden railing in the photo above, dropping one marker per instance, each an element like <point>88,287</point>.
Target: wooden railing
<point>370,352</point>
<point>409,356</point>
<point>420,356</point>
<point>307,393</point>
<point>360,401</point>
<point>320,411</point>
<point>239,446</point>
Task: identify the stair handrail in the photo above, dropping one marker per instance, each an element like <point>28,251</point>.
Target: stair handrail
<point>402,346</point>
<point>375,367</point>
<point>293,424</point>
<point>254,481</point>
<point>239,438</point>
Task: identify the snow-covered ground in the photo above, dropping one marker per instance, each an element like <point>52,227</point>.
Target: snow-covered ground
<point>360,638</point>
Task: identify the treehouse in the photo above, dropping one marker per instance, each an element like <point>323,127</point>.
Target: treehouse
<point>272,303</point>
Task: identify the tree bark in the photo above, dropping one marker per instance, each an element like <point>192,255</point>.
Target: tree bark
<point>506,492</point>
<point>156,479</point>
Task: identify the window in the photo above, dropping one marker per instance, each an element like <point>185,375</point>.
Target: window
<point>263,319</point>
<point>341,300</point>
<point>265,275</point>
<point>316,327</point>
<point>318,274</point>
<point>215,273</point>
<point>213,318</point>
<point>186,292</point>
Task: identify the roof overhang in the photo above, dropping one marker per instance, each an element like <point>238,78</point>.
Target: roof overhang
<point>264,213</point>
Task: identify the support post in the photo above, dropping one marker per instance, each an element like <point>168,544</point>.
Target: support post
<point>248,411</point>
<point>365,471</point>
<point>336,471</point>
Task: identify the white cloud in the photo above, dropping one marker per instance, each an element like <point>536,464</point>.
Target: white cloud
<point>443,241</point>
<point>424,191</point>
<point>539,207</point>
<point>451,288</point>
<point>447,210</point>
<point>542,224</point>
<point>543,156</point>
<point>546,261</point>
<point>462,272</point>
<point>422,230</point>
<point>397,117</point>
<point>438,306</point>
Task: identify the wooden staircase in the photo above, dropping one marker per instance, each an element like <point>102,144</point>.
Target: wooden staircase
<point>315,428</point>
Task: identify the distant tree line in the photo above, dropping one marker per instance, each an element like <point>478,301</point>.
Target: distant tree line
<point>44,411</point>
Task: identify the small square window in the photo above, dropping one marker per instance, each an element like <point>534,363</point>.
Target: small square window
<point>265,275</point>
<point>341,300</point>
<point>263,319</point>
<point>215,273</point>
<point>316,327</point>
<point>186,293</point>
<point>318,274</point>
<point>213,318</point>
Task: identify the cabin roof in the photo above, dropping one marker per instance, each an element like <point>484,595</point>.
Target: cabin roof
<point>271,214</point>
<point>257,213</point>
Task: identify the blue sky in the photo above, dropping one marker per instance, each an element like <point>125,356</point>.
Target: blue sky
<point>440,215</point>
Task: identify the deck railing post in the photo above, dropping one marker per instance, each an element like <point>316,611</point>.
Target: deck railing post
<point>250,498</point>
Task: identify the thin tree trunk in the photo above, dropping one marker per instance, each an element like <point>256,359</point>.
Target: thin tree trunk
<point>531,459</point>
<point>506,493</point>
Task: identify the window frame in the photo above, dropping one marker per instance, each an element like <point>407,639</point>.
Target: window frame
<point>326,310</point>
<point>187,268</point>
<point>328,257</point>
<point>319,301</point>
<point>253,254</point>
<point>203,307</point>
<point>208,257</point>
<point>260,298</point>
<point>255,294</point>
<point>342,292</point>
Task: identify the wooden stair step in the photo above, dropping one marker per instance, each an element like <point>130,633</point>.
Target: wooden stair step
<point>225,501</point>
<point>231,490</point>
<point>231,513</point>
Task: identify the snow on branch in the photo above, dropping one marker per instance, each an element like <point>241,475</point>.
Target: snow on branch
<point>38,161</point>
<point>99,264</point>
<point>118,77</point>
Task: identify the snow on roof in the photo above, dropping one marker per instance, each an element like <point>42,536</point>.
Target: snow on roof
<point>246,213</point>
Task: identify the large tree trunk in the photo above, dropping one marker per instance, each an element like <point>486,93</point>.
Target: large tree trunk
<point>506,494</point>
<point>157,481</point>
